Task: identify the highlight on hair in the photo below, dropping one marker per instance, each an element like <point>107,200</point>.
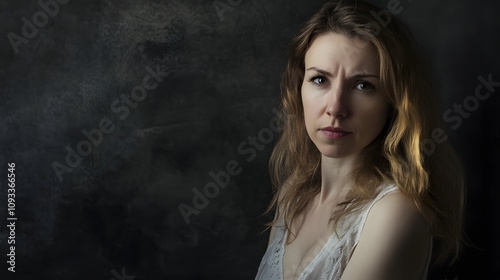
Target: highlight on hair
<point>434,181</point>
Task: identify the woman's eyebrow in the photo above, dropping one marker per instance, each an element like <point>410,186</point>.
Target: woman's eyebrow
<point>356,76</point>
<point>361,75</point>
<point>321,71</point>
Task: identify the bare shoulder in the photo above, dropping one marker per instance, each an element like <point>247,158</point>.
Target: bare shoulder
<point>396,210</point>
<point>396,219</point>
<point>394,243</point>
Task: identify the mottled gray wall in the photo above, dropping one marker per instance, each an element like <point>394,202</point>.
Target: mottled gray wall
<point>118,207</point>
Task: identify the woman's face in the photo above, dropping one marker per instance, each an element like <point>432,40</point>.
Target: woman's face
<point>344,107</point>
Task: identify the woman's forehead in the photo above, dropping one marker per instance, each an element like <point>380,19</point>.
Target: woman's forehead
<point>335,52</point>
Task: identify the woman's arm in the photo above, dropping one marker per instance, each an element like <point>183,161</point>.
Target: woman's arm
<point>394,243</point>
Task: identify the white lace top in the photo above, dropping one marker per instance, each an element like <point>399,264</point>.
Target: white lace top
<point>332,259</point>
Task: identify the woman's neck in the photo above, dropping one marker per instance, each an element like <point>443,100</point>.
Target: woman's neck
<point>335,177</point>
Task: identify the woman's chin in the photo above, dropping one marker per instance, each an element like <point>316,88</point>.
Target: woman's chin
<point>330,153</point>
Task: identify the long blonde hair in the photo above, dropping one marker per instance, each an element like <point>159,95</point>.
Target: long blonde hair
<point>434,181</point>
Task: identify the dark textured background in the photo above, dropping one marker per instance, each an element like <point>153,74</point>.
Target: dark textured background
<point>119,207</point>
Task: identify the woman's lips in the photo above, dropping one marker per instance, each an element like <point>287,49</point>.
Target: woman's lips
<point>334,132</point>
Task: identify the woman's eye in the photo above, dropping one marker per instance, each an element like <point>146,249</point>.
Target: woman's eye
<point>319,80</point>
<point>364,86</point>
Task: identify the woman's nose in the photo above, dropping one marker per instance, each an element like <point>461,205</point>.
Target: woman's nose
<point>337,103</point>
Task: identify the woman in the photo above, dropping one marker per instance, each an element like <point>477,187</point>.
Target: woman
<point>357,196</point>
